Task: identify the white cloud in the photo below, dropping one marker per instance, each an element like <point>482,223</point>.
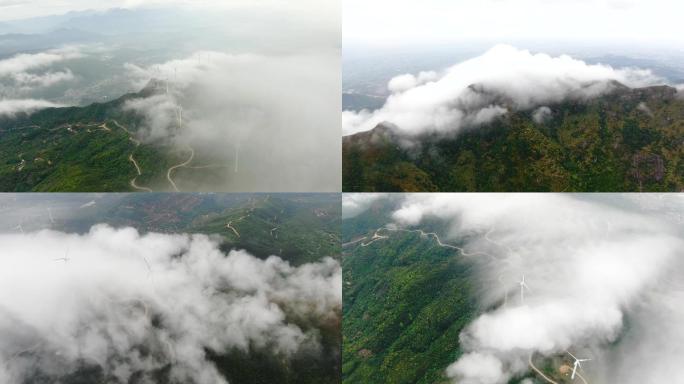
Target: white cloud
<point>478,368</point>
<point>593,265</point>
<point>22,73</point>
<point>354,204</point>
<point>11,107</point>
<point>31,61</point>
<point>274,111</point>
<point>478,90</point>
<point>645,109</point>
<point>30,80</point>
<point>388,22</point>
<point>172,295</point>
<point>405,82</point>
<point>541,114</point>
<point>160,112</point>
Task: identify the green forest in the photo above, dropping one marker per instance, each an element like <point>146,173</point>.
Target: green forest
<point>406,299</point>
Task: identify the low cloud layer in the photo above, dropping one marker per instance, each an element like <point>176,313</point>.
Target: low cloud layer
<point>270,114</point>
<point>355,203</point>
<point>11,107</point>
<point>479,90</point>
<point>22,73</point>
<point>32,61</point>
<point>604,274</point>
<point>131,304</point>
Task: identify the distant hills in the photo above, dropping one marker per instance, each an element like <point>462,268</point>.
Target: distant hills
<point>299,228</point>
<point>626,140</point>
<point>358,101</point>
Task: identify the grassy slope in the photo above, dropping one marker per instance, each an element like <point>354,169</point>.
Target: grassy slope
<point>607,144</point>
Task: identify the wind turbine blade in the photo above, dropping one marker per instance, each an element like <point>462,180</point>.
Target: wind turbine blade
<point>573,356</point>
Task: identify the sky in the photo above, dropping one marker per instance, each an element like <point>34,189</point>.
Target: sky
<point>22,9</point>
<point>397,22</point>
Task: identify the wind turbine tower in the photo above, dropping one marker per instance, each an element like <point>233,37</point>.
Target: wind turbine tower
<point>237,156</point>
<point>578,363</point>
<point>523,287</point>
<point>65,258</point>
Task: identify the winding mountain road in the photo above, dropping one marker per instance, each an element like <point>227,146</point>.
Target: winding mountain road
<point>539,372</point>
<point>548,379</point>
<point>137,168</point>
<point>133,182</point>
<point>173,168</point>
<point>230,225</point>
<point>377,236</point>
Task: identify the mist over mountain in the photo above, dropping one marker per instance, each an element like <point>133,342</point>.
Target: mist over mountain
<point>173,288</point>
<point>248,103</point>
<point>513,120</point>
<point>601,274</point>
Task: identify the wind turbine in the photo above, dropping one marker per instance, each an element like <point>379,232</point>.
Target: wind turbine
<point>523,287</point>
<point>578,363</point>
<point>237,153</point>
<point>149,267</point>
<point>65,258</point>
<point>180,117</point>
<point>52,220</point>
<point>505,290</point>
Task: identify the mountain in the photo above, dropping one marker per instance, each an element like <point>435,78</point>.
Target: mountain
<point>15,43</point>
<point>109,21</point>
<point>631,139</point>
<point>406,300</point>
<point>82,149</point>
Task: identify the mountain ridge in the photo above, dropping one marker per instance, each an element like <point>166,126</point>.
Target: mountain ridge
<point>636,132</point>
